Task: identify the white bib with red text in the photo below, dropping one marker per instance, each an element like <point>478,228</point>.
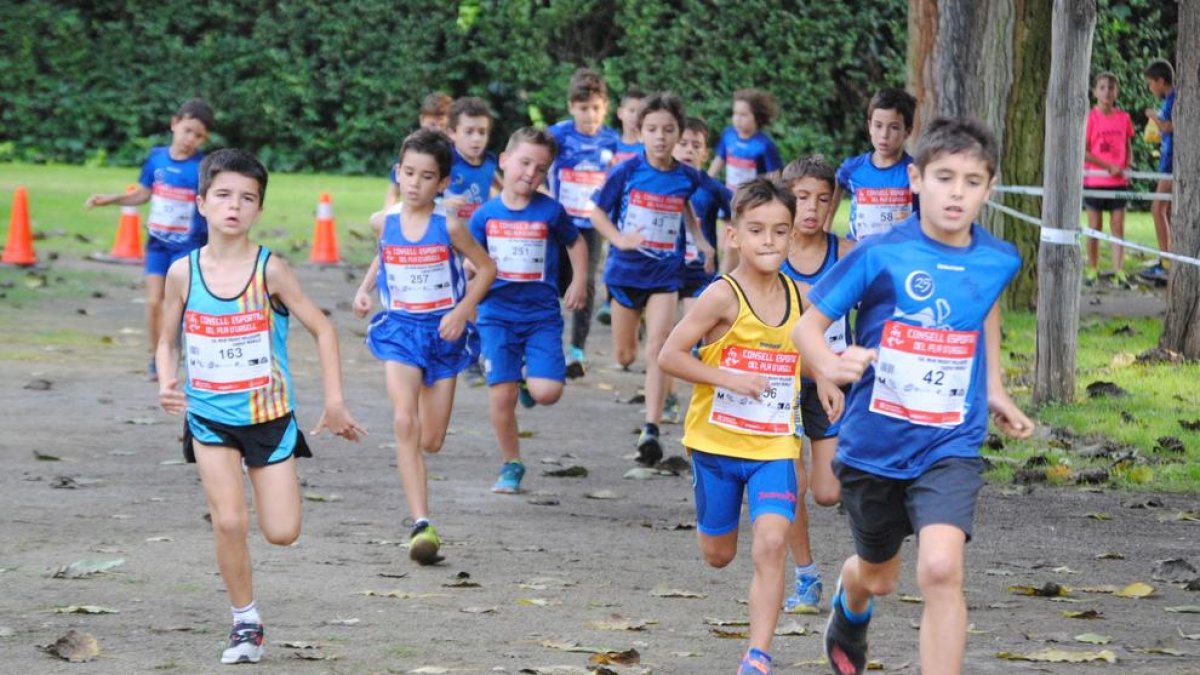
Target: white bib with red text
<point>922,374</point>
<point>418,277</point>
<point>228,352</point>
<point>769,414</point>
<point>879,209</point>
<point>575,190</point>
<point>519,249</point>
<point>658,217</point>
<point>171,210</point>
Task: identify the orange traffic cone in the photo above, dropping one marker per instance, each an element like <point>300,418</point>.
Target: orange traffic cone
<point>127,247</point>
<point>325,246</point>
<point>19,250</point>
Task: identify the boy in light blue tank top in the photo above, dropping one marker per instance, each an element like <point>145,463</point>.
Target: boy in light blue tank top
<point>421,334</point>
<point>233,300</point>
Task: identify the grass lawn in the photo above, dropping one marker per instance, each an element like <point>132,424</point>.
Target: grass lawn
<point>1158,395</point>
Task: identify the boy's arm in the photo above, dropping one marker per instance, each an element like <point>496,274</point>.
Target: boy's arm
<point>717,305</point>
<point>819,360</point>
<point>626,241</point>
<point>714,169</point>
<point>455,321</point>
<point>139,195</point>
<point>1005,412</point>
<point>363,296</point>
<point>166,353</point>
<point>286,288</point>
<point>576,295</point>
<point>693,225</point>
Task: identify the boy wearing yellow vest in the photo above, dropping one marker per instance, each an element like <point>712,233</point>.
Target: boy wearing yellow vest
<point>739,425</point>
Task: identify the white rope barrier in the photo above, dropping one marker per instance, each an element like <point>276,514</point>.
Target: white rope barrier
<point>1034,191</point>
<point>1137,175</point>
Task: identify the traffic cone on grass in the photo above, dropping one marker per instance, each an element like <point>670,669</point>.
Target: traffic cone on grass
<point>19,250</point>
<point>127,247</point>
<point>325,246</point>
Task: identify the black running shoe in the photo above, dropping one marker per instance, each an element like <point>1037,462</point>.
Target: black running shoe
<point>649,449</point>
<point>845,642</point>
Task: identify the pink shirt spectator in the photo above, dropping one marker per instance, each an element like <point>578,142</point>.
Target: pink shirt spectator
<point>1108,138</point>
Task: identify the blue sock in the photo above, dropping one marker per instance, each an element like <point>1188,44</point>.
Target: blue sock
<point>759,654</point>
<point>856,618</point>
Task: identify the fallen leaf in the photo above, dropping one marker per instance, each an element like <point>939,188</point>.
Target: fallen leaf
<point>1136,590</point>
<point>316,497</point>
<point>343,622</point>
<point>1096,515</point>
<point>1060,656</point>
<point>1184,609</point>
<point>730,634</point>
<point>617,622</point>
<point>1093,639</point>
<point>792,628</point>
<point>625,658</point>
<point>574,647</point>
<point>537,602</point>
<point>86,568</point>
<point>1166,650</point>
<point>1186,516</point>
<point>43,457</point>
<point>159,540</point>
<point>479,610</point>
<point>1105,588</point>
<point>74,647</point>
<point>393,575</point>
<point>300,645</point>
<point>914,599</point>
<point>1185,636</point>
<point>141,421</point>
<point>171,629</point>
<point>602,494</point>
<point>569,472</point>
<point>1109,556</point>
<point>544,583</point>
<point>38,384</point>
<point>640,473</point>
<point>543,501</point>
<point>429,670</point>
<point>664,592</point>
<point>1173,571</point>
<point>314,656</point>
<point>84,609</point>
<point>1046,590</point>
<point>1081,614</point>
<point>526,434</point>
<point>712,621</point>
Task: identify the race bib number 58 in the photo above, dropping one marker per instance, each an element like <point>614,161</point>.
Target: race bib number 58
<point>923,374</point>
<point>769,414</point>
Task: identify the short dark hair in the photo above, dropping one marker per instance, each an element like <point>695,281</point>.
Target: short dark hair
<point>1106,75</point>
<point>662,101</point>
<point>1160,70</point>
<point>633,93</point>
<point>762,105</point>
<point>197,109</point>
<point>812,166</point>
<point>891,98</point>
<point>762,190</point>
<point>696,126</point>
<point>435,104</point>
<point>469,106</point>
<point>950,136</point>
<point>237,161</point>
<point>533,136</point>
<point>430,142</point>
<point>586,83</point>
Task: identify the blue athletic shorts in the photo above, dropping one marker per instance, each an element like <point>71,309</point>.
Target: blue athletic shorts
<point>535,345</point>
<point>416,343</point>
<point>159,257</point>
<point>1166,161</point>
<point>261,444</point>
<point>811,419</point>
<point>694,283</point>
<point>630,297</point>
<point>719,481</point>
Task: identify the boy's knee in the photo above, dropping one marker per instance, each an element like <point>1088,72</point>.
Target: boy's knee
<point>282,536</point>
<point>718,558</point>
<point>625,356</point>
<point>546,394</point>
<point>879,584</point>
<point>939,572</point>
<point>231,525</point>
<point>503,397</point>
<point>826,496</point>
<point>432,443</point>
<point>769,545</point>
<point>405,423</point>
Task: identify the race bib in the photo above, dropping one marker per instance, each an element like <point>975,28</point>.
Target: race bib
<point>769,414</point>
<point>877,210</point>
<point>418,277</point>
<point>519,249</point>
<point>658,217</point>
<point>922,374</point>
<point>739,170</point>
<point>228,352</point>
<point>691,253</point>
<point>171,210</point>
<point>575,190</point>
<point>835,336</point>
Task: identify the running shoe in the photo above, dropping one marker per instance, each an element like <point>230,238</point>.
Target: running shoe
<point>424,544</point>
<point>474,375</point>
<point>575,363</point>
<point>604,314</point>
<point>1090,275</point>
<point>807,596</point>
<point>648,448</point>
<point>524,396</point>
<point>245,644</point>
<point>671,412</point>
<point>152,371</point>
<point>755,662</point>
<point>1121,280</point>
<point>845,642</point>
<point>1155,273</point>
<point>509,481</point>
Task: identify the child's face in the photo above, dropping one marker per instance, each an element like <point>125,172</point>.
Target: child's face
<point>1157,86</point>
<point>743,118</point>
<point>660,134</point>
<point>471,137</point>
<point>627,112</point>
<point>419,179</point>
<point>187,135</point>
<point>813,197</point>
<point>435,122</point>
<point>231,204</point>
<point>525,168</point>
<point>589,115</point>
<point>761,235</point>
<point>953,189</point>
<point>888,131</point>
<point>1105,92</point>
<point>692,148</point>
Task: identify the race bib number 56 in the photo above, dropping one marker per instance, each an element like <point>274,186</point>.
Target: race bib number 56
<point>923,374</point>
<point>769,414</point>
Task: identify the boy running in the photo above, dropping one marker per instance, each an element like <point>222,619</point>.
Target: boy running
<point>744,150</point>
<point>233,301</point>
<point>630,143</point>
<point>1109,135</point>
<point>1160,80</point>
<point>434,114</point>
<point>908,454</point>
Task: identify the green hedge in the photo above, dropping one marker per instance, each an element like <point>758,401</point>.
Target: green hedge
<point>317,86</point>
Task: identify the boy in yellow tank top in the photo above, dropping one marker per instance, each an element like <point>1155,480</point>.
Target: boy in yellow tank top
<point>739,425</point>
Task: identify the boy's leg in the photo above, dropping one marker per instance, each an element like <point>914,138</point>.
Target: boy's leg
<point>774,495</point>
<point>404,384</point>
<point>502,402</point>
<point>1096,222</point>
<point>155,284</point>
<point>624,333</point>
<point>581,319</point>
<point>220,471</point>
<point>434,406</point>
<point>545,365</point>
<point>944,617</point>
<point>717,489</point>
<point>1161,211</point>
<point>544,391</point>
<point>660,318</point>
<point>1118,229</point>
<point>798,540</point>
<point>277,501</point>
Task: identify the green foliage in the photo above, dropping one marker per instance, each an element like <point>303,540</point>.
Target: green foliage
<point>335,86</point>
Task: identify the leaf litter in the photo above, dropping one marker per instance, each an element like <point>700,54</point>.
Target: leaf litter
<point>74,647</point>
<point>87,567</point>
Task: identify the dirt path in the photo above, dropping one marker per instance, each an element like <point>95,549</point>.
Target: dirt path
<point>548,564</point>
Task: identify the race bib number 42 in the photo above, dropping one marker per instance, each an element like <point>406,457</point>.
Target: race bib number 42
<point>519,249</point>
<point>923,374</point>
<point>418,277</point>
<point>769,414</point>
<point>228,352</point>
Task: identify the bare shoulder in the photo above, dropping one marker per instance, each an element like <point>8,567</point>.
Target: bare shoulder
<point>844,246</point>
<point>719,300</point>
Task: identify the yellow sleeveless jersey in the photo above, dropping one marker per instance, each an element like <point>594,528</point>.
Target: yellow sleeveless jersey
<point>724,423</point>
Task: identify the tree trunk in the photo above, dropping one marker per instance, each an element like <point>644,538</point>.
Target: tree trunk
<point>1024,142</point>
<point>922,34</point>
<point>1059,258</point>
<point>1181,328</point>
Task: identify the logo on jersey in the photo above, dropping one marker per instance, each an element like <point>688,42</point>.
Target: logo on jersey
<point>919,285</point>
<point>606,157</point>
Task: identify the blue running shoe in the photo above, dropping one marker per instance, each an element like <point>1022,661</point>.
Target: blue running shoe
<point>755,662</point>
<point>807,596</point>
<point>509,482</point>
<point>524,396</point>
<point>604,314</point>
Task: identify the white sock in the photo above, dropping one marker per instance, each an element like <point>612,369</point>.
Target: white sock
<point>247,614</point>
<point>810,568</point>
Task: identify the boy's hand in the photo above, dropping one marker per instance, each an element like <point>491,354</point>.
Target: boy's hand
<point>170,398</point>
<point>452,325</point>
<point>1114,170</point>
<point>1152,114</point>
<point>746,385</point>
<point>629,241</point>
<point>97,200</point>
<point>576,295</point>
<point>339,421</point>
<point>850,365</point>
<point>452,204</point>
<point>1009,417</point>
<point>362,302</point>
<point>710,256</point>
<point>833,401</point>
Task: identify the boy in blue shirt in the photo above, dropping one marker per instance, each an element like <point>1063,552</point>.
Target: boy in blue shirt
<point>434,114</point>
<point>586,149</point>
<point>520,322</point>
<point>877,181</point>
<point>648,197</point>
<point>473,176</point>
<point>744,151</point>
<point>1160,80</point>
<point>908,457</point>
<point>169,180</point>
<point>630,143</point>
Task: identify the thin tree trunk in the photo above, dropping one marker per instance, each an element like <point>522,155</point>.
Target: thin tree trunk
<point>1059,259</point>
<point>1181,328</point>
<point>922,34</point>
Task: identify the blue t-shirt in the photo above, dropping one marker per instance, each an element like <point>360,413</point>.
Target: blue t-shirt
<point>420,280</point>
<point>524,244</point>
<point>580,167</point>
<point>640,197</point>
<point>1166,151</point>
<point>879,198</point>
<point>710,203</point>
<point>471,182</point>
<point>627,150</point>
<point>746,158</point>
<point>174,220</point>
<point>925,399</point>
